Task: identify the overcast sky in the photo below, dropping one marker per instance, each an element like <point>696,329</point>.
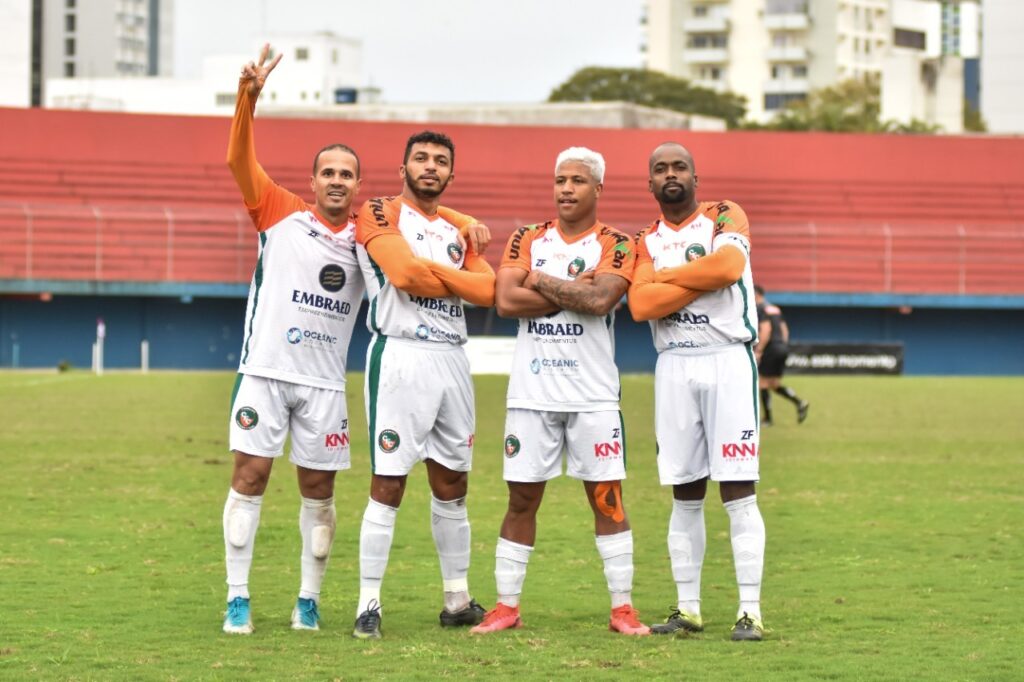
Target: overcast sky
<point>438,51</point>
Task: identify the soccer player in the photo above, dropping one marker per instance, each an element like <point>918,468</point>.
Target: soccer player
<point>303,300</point>
<point>771,353</point>
<point>419,393</point>
<point>693,283</point>
<point>563,279</point>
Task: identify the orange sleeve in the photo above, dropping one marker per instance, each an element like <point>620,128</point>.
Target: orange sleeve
<point>266,202</point>
<point>649,300</point>
<point>377,230</point>
<point>517,250</point>
<point>722,267</point>
<point>459,220</point>
<point>618,255</point>
<point>475,283</point>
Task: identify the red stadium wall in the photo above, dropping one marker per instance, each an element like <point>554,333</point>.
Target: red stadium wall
<point>117,197</point>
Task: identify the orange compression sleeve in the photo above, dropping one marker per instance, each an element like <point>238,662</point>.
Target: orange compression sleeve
<point>392,254</point>
<point>474,284</point>
<point>710,273</point>
<point>649,300</point>
<point>248,173</point>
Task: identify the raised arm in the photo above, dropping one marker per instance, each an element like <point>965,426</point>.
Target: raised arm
<point>514,300</point>
<point>248,173</point>
<point>476,235</point>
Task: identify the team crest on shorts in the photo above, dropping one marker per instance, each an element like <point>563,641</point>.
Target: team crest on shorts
<point>388,440</point>
<point>455,252</point>
<point>577,266</point>
<point>511,446</point>
<point>694,251</point>
<point>247,418</point>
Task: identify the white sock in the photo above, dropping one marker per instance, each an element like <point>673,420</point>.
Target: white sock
<point>449,522</point>
<point>317,521</point>
<point>687,539</point>
<point>617,553</point>
<point>510,560</point>
<point>241,518</point>
<point>747,530</point>
<point>375,536</point>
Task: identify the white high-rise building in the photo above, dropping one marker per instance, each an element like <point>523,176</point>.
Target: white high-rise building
<point>1002,59</point>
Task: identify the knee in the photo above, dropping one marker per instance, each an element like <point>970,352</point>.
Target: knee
<point>523,504</point>
<point>736,490</point>
<point>388,490</point>
<point>250,478</point>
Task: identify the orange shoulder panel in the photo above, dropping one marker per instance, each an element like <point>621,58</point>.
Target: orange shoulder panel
<point>618,253</point>
<point>376,217</point>
<point>517,250</point>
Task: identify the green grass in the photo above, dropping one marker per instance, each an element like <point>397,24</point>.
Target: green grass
<point>894,544</point>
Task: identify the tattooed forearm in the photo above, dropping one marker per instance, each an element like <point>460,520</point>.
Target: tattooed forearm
<point>590,296</point>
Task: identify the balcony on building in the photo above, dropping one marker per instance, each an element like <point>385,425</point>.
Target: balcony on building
<point>712,22</point>
<point>786,86</point>
<point>786,53</point>
<point>706,55</point>
<point>786,15</point>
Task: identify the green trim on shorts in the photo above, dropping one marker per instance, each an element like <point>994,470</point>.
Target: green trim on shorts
<point>753,374</point>
<point>234,391</point>
<point>622,425</point>
<point>373,374</point>
<point>257,279</point>
<point>746,307</point>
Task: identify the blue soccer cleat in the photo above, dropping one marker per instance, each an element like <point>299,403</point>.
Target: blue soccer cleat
<point>305,615</point>
<point>237,619</point>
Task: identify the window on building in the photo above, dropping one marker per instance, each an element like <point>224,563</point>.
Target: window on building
<point>716,73</point>
<point>69,47</point>
<point>902,37</point>
<point>334,56</point>
<point>780,39</point>
<point>301,54</point>
<point>700,10</point>
<point>699,41</point>
<point>773,102</point>
<point>69,23</point>
<point>720,41</point>
<point>800,71</point>
<point>786,7</point>
<point>776,71</point>
<point>70,4</point>
<point>302,95</point>
<point>224,99</point>
<point>69,69</point>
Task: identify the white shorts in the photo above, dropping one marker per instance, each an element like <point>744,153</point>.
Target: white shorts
<point>706,417</point>
<point>263,411</point>
<point>594,442</point>
<point>419,405</point>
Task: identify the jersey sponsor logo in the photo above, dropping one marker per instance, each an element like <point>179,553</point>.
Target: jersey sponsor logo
<point>296,335</point>
<point>603,450</point>
<point>388,440</point>
<point>739,450</point>
<point>576,268</point>
<point>516,244</point>
<point>687,318</point>
<point>454,252</point>
<point>747,434</point>
<point>438,304</point>
<point>322,302</point>
<point>695,251</point>
<point>377,211</point>
<point>684,344</point>
<point>512,446</point>
<point>336,440</point>
<point>423,332</point>
<point>562,365</point>
<point>247,418</point>
<point>332,278</point>
<point>554,329</point>
<point>620,252</point>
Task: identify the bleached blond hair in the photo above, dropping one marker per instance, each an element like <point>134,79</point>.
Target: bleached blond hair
<point>588,157</point>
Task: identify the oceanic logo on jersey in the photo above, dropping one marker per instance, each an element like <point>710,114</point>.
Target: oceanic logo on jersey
<point>247,418</point>
<point>332,278</point>
<point>695,251</point>
<point>454,252</point>
<point>535,366</point>
<point>423,332</point>
<point>388,440</point>
<point>577,266</point>
<point>294,335</point>
<point>511,446</point>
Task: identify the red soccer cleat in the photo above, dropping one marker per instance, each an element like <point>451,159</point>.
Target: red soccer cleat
<point>625,619</point>
<point>501,617</point>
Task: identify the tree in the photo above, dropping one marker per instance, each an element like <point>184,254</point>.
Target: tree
<point>649,88</point>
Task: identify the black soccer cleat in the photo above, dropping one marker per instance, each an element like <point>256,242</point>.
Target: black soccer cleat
<point>679,623</point>
<point>801,411</point>
<point>472,614</point>
<point>368,622</point>
<point>748,629</point>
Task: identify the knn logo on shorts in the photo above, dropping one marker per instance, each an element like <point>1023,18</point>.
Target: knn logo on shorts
<point>332,277</point>
<point>511,446</point>
<point>694,251</point>
<point>577,266</point>
<point>247,418</point>
<point>455,252</point>
<point>294,335</point>
<point>388,440</point>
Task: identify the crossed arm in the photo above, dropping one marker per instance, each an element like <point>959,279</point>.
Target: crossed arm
<point>521,294</point>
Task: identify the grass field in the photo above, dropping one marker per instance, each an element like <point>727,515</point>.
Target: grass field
<point>893,515</point>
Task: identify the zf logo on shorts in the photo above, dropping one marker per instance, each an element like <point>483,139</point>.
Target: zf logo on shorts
<point>511,446</point>
<point>247,418</point>
<point>388,440</point>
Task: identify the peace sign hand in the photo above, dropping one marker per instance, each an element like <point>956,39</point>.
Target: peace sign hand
<point>255,75</point>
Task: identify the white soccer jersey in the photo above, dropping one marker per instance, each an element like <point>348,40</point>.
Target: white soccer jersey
<point>717,318</point>
<point>394,312</point>
<point>304,297</point>
<point>565,362</point>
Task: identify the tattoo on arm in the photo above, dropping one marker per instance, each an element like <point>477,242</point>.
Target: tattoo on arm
<point>590,296</point>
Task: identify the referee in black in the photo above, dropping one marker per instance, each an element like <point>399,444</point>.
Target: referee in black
<point>772,351</point>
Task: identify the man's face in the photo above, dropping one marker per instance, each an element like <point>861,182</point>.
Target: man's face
<point>336,182</point>
<point>672,178</point>
<point>576,191</point>
<point>428,170</point>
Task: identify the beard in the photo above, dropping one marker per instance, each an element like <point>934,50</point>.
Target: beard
<point>425,192</point>
<point>673,195</point>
